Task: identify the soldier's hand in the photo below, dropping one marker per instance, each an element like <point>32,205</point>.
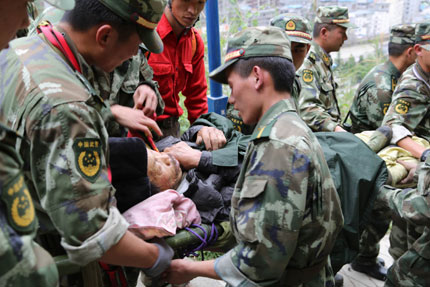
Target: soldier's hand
<point>411,167</point>
<point>213,138</point>
<point>165,255</point>
<point>178,272</point>
<point>145,99</point>
<point>134,119</point>
<point>188,157</point>
<point>339,129</point>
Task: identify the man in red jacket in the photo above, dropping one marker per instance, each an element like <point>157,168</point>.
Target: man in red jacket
<point>180,67</point>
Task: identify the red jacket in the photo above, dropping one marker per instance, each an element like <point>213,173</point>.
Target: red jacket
<point>180,68</point>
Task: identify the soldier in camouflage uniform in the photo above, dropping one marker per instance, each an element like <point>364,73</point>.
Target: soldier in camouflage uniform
<point>61,119</point>
<point>412,268</point>
<point>318,105</point>
<point>285,211</point>
<point>371,101</point>
<point>23,262</point>
<point>373,96</point>
<point>409,110</point>
<point>298,30</point>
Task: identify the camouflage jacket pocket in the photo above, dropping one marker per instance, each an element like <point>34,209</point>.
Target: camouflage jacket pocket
<point>327,88</point>
<point>249,209</point>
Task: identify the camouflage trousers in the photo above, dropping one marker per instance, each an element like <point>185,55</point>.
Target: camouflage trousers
<point>398,238</point>
<point>412,268</point>
<point>373,232</point>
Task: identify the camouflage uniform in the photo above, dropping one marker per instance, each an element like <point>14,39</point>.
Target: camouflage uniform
<point>24,262</point>
<point>61,118</point>
<point>318,106</point>
<point>413,206</point>
<point>409,110</point>
<point>298,30</point>
<point>373,96</point>
<point>285,225</point>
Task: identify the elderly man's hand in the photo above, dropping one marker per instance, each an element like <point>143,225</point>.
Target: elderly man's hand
<point>411,167</point>
<point>188,158</point>
<point>212,137</point>
<point>145,99</point>
<point>134,119</point>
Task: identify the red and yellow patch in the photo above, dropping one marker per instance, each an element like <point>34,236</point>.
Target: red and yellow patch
<point>290,26</point>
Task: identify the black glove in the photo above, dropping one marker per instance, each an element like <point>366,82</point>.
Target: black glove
<point>424,155</point>
<point>165,255</point>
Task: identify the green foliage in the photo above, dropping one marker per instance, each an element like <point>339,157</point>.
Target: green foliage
<point>350,73</point>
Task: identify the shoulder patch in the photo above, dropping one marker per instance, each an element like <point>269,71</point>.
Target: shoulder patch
<point>20,208</point>
<point>87,157</point>
<point>312,57</point>
<point>308,76</point>
<point>402,107</point>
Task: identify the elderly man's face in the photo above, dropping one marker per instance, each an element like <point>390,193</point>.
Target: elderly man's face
<point>163,170</point>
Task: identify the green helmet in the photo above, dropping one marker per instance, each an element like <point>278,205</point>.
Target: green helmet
<point>296,27</point>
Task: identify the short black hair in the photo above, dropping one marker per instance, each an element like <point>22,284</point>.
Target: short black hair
<point>281,70</point>
<point>397,50</point>
<point>90,13</point>
<point>319,26</point>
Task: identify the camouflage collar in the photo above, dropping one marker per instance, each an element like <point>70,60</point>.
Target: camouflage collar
<point>326,58</point>
<point>392,70</point>
<point>264,125</point>
<point>421,73</point>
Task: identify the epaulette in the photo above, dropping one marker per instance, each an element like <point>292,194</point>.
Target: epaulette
<point>264,131</point>
<point>312,57</point>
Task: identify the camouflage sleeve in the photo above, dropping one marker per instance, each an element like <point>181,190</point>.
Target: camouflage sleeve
<point>311,102</point>
<point>407,109</point>
<point>411,204</point>
<point>24,263</point>
<point>268,222</point>
<point>377,105</point>
<point>69,168</point>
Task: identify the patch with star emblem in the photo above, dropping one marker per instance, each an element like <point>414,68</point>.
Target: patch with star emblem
<point>308,76</point>
<point>290,26</point>
<point>19,205</point>
<point>88,157</point>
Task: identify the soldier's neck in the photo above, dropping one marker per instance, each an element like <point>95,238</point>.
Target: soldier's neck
<point>399,62</point>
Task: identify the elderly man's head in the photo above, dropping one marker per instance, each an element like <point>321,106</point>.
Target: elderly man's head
<point>164,170</point>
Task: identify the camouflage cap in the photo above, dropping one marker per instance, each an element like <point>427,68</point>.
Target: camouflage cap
<point>62,4</point>
<point>253,42</point>
<point>296,27</point>
<point>334,15</point>
<point>422,35</point>
<point>146,14</point>
<point>403,34</point>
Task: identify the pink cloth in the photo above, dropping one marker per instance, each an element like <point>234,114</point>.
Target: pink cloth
<point>161,214</point>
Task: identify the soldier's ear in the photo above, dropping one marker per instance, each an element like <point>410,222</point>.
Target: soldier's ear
<point>106,36</point>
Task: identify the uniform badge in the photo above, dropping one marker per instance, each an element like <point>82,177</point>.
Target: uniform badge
<point>87,157</point>
<point>308,76</point>
<point>326,59</point>
<point>393,83</point>
<point>290,26</point>
<point>402,107</point>
<point>20,208</point>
